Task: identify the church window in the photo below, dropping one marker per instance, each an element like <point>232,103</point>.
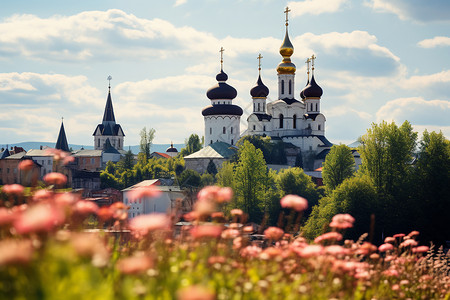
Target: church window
<point>264,128</point>
<point>118,143</point>
<point>224,130</point>
<point>98,143</point>
<point>282,86</point>
<point>294,125</point>
<point>316,107</point>
<point>232,142</point>
<point>264,108</point>
<point>258,107</point>
<point>318,127</point>
<point>211,142</point>
<point>290,87</point>
<point>254,127</point>
<point>254,106</point>
<point>311,107</point>
<point>231,130</point>
<point>281,120</point>
<point>210,130</point>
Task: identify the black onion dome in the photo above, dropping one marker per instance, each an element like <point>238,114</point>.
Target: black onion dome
<point>313,90</point>
<point>221,90</point>
<point>171,149</point>
<point>302,91</point>
<point>260,90</point>
<point>222,109</point>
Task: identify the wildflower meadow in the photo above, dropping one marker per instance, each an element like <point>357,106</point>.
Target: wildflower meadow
<point>56,245</point>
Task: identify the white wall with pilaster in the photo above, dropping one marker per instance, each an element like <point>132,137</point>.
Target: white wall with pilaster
<point>223,128</point>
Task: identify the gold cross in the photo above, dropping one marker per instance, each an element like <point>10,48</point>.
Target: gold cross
<point>109,79</point>
<point>312,62</point>
<point>259,64</point>
<point>287,12</point>
<point>221,57</point>
<point>308,61</point>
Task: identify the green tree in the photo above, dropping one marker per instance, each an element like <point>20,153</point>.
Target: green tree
<point>433,187</point>
<point>207,179</point>
<point>193,144</point>
<point>211,168</point>
<point>387,155</point>
<point>225,175</point>
<point>250,181</point>
<point>146,141</point>
<point>339,165</point>
<point>189,179</point>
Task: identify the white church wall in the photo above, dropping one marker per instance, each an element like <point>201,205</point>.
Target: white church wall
<point>215,126</point>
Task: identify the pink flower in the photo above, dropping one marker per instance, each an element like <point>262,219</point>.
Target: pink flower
<point>399,235</point>
<point>391,273</point>
<point>421,249</point>
<point>26,165</point>
<point>385,247</point>
<point>119,210</point>
<point>389,239</point>
<point>204,207</point>
<point>144,192</point>
<point>68,159</point>
<point>408,243</point>
<point>42,195</point>
<point>251,251</point>
<point>55,178</point>
<point>293,201</point>
<point>84,207</point>
<point>310,251</point>
<point>39,218</point>
<point>366,248</point>
<point>413,233</point>
<point>6,216</point>
<point>195,292</point>
<point>236,212</point>
<point>342,221</point>
<point>215,193</point>
<point>206,231</point>
<point>230,233</point>
<point>105,213</point>
<point>336,250</point>
<point>134,264</point>
<point>15,252</point>
<point>13,189</point>
<point>274,233</point>
<point>151,222</point>
<point>329,236</point>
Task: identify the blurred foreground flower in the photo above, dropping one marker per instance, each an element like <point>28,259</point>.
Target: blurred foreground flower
<point>342,221</point>
<point>295,202</point>
<point>145,223</point>
<point>195,292</point>
<point>144,192</point>
<point>26,165</point>
<point>39,218</point>
<point>55,178</point>
<point>13,189</point>
<point>201,231</point>
<point>215,193</point>
<point>15,252</point>
<point>273,233</point>
<point>135,264</point>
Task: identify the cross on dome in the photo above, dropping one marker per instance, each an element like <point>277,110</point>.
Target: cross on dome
<point>221,57</point>
<point>287,12</point>
<point>109,79</point>
<point>313,57</point>
<point>308,61</point>
<point>259,63</point>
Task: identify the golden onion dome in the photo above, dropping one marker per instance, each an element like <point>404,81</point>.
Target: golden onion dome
<point>286,50</point>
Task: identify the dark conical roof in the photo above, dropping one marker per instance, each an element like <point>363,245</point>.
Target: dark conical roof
<point>260,90</point>
<point>109,111</point>
<point>5,153</point>
<point>108,148</point>
<point>171,148</point>
<point>221,90</point>
<point>61,143</point>
<point>312,90</point>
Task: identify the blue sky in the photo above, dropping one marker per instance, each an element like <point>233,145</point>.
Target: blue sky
<point>376,60</point>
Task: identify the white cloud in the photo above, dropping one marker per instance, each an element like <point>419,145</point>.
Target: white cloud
<point>179,2</point>
<point>419,82</point>
<point>435,42</point>
<point>315,7</point>
<point>417,111</point>
<point>423,11</point>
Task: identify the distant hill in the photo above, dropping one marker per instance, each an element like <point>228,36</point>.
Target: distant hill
<point>135,149</point>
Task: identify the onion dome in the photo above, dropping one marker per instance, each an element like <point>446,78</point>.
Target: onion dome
<point>260,90</point>
<point>222,109</point>
<point>302,95</point>
<point>286,50</point>
<point>221,90</point>
<point>171,148</point>
<point>312,90</point>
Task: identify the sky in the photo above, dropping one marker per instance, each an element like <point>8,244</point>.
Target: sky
<point>376,60</point>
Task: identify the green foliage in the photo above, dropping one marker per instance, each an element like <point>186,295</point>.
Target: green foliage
<point>189,179</point>
<point>250,180</point>
<point>319,218</point>
<point>339,165</point>
<point>207,179</point>
<point>225,176</point>
<point>211,168</point>
<point>432,177</point>
<point>273,152</point>
<point>146,141</point>
<point>193,144</point>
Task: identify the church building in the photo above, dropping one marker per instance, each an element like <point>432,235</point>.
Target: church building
<point>298,123</point>
<point>108,129</point>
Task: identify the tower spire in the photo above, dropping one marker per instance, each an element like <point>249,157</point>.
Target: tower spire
<point>61,143</point>
<point>286,50</point>
<point>286,11</point>
<point>109,85</point>
<point>259,63</point>
<point>312,63</point>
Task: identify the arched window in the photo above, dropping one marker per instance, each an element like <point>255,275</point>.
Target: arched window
<point>119,143</point>
<point>231,130</point>
<point>211,142</point>
<point>232,142</point>
<point>264,107</point>
<point>294,125</point>
<point>282,86</point>
<point>290,87</point>
<point>264,127</point>
<point>254,106</point>
<point>318,127</point>
<point>258,107</point>
<point>224,130</point>
<point>254,127</point>
<point>210,130</point>
<point>98,144</point>
<point>311,107</point>
<point>317,107</point>
<point>281,120</point>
